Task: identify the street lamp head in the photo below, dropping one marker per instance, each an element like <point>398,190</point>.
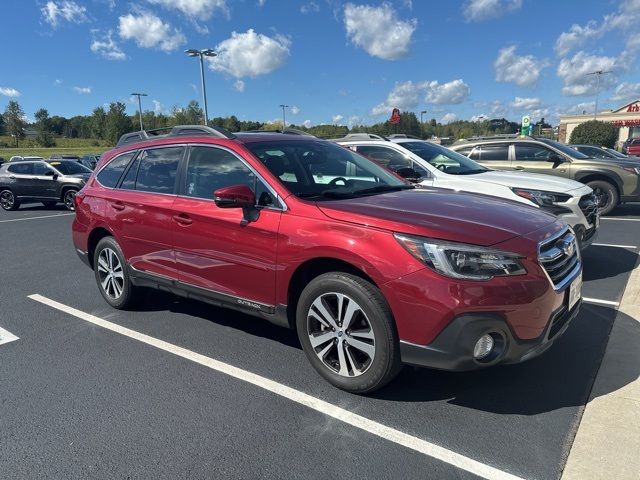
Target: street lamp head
<point>139,94</point>
<point>423,111</point>
<point>192,52</point>
<point>208,52</point>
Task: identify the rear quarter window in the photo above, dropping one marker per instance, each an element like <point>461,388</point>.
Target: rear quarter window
<point>112,172</point>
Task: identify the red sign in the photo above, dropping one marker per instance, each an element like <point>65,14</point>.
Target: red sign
<point>634,108</point>
<point>395,116</point>
<point>626,123</point>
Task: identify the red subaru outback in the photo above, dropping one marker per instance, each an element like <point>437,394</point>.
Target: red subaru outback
<point>304,233</point>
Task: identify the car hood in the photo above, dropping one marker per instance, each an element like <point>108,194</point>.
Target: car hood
<point>533,181</point>
<point>619,162</point>
<point>82,176</point>
<point>441,213</point>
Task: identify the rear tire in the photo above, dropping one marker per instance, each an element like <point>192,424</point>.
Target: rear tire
<point>112,276</point>
<point>607,195</point>
<point>68,198</point>
<point>8,201</point>
<point>359,352</point>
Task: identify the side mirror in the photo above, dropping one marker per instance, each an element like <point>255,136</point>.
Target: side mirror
<point>409,174</point>
<point>51,173</point>
<point>235,196</point>
<point>556,158</point>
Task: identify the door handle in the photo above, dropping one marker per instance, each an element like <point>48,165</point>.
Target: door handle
<point>519,167</point>
<point>117,206</point>
<point>183,219</point>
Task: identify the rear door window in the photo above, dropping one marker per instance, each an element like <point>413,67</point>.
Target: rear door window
<point>112,172</point>
<point>496,153</point>
<point>158,170</point>
<point>529,152</point>
<point>25,168</point>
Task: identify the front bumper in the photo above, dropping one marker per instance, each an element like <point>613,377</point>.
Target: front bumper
<point>452,349</point>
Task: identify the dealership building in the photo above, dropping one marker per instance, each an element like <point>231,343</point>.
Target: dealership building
<point>627,118</point>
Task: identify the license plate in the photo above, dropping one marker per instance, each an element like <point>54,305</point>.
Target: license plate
<point>575,291</point>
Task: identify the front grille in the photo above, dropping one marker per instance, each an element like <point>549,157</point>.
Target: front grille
<point>589,206</point>
<point>559,257</point>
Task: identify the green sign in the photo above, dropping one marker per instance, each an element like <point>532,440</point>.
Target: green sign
<point>526,121</point>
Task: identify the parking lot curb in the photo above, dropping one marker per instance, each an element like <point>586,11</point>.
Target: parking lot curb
<point>607,444</point>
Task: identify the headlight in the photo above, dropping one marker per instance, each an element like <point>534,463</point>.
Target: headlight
<point>540,197</point>
<point>635,170</point>
<point>458,260</point>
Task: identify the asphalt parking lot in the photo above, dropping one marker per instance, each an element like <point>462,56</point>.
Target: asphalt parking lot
<point>79,400</point>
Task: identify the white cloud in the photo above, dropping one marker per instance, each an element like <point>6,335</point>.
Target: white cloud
<point>407,95</point>
<point>574,73</point>
<point>261,3</point>
<point>626,92</point>
<point>57,82</point>
<point>239,85</point>
<point>9,92</point>
<point>295,110</point>
<point>311,7</point>
<point>378,30</point>
<point>250,54</point>
<point>479,118</point>
<point>307,123</point>
<point>195,9</point>
<point>82,90</point>
<point>455,91</point>
<point>337,119</point>
<point>578,109</point>
<point>148,31</point>
<point>480,10</point>
<point>521,70</point>
<point>354,120</point>
<point>105,46</point>
<point>625,20</point>
<point>157,106</point>
<point>448,118</point>
<point>54,12</point>
<point>520,103</point>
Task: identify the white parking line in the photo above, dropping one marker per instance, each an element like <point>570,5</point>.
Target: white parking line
<point>422,446</point>
<point>613,245</point>
<point>600,302</point>
<point>621,219</point>
<point>6,337</point>
<point>35,218</point>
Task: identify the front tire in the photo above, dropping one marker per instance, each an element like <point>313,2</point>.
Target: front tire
<point>8,201</point>
<point>607,195</point>
<point>111,274</point>
<point>68,198</point>
<point>348,333</point>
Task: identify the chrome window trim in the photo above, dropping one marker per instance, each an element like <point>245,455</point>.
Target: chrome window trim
<point>279,199</point>
<point>97,172</point>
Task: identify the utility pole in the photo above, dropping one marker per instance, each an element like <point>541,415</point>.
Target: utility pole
<point>421,124</point>
<point>140,107</point>
<point>284,119</point>
<point>598,74</point>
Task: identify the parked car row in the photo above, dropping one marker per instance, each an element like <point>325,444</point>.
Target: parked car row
<point>372,271</point>
<point>89,160</point>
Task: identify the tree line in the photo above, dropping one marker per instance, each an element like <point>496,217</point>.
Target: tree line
<point>108,124</point>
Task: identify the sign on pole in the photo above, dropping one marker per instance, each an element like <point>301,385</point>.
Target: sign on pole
<point>395,116</point>
<point>526,121</point>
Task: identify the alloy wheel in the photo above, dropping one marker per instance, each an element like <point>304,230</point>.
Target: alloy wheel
<point>69,199</point>
<point>602,197</point>
<point>341,334</point>
<point>110,273</point>
<point>7,200</point>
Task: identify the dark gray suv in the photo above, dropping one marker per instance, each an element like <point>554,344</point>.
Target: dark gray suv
<point>48,183</point>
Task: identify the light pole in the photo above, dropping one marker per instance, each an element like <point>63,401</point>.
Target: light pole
<point>422,124</point>
<point>284,119</point>
<point>140,107</point>
<point>598,74</point>
<point>206,52</point>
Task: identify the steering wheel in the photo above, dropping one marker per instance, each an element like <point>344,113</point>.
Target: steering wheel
<point>334,182</point>
<point>442,167</point>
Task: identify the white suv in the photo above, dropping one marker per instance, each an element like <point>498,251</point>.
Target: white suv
<point>430,164</point>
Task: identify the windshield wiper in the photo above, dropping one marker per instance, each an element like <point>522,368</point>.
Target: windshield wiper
<point>326,194</point>
<point>383,189</point>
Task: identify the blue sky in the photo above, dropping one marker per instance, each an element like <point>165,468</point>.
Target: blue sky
<point>332,61</point>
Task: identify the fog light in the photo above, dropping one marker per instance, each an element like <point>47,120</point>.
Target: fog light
<point>483,347</point>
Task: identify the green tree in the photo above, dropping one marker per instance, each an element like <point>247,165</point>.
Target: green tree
<point>2,125</point>
<point>117,122</point>
<point>191,115</point>
<point>595,132</point>
<point>14,120</point>
<point>43,124</point>
<point>98,123</point>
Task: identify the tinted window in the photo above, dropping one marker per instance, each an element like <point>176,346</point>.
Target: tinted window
<point>129,180</point>
<point>563,148</point>
<point>110,174</point>
<point>69,167</point>
<point>444,159</point>
<point>384,156</point>
<point>528,152</point>
<point>158,169</point>
<point>21,168</point>
<point>212,168</point>
<point>41,169</point>
<point>494,153</point>
<point>464,151</point>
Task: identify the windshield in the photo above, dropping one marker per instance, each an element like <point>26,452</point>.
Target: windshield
<point>321,170</point>
<point>615,153</point>
<point>444,159</point>
<point>564,148</point>
<point>69,167</point>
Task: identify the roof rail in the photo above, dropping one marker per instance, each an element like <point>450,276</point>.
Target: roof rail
<point>177,131</point>
<point>286,131</point>
<point>403,135</point>
<point>493,137</point>
<point>360,136</point>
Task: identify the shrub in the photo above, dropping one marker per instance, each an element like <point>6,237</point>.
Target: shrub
<point>595,132</point>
